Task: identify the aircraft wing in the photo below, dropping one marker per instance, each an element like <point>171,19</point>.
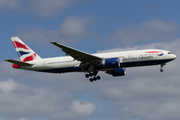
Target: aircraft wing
<point>18,62</point>
<point>77,54</point>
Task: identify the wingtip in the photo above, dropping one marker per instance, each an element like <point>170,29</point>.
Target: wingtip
<point>53,42</point>
<point>6,59</point>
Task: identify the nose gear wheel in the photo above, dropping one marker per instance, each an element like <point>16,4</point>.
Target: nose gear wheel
<point>162,65</point>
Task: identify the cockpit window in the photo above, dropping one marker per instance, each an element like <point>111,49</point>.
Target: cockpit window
<point>169,52</point>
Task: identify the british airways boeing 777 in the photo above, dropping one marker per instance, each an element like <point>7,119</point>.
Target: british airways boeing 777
<point>113,63</point>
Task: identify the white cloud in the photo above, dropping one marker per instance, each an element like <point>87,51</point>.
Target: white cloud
<point>14,119</point>
<point>48,8</point>
<point>172,46</point>
<point>43,8</point>
<point>71,30</point>
<point>144,93</point>
<point>23,102</point>
<point>152,109</point>
<point>74,26</point>
<point>7,86</point>
<point>146,31</point>
<point>83,107</point>
<point>10,4</point>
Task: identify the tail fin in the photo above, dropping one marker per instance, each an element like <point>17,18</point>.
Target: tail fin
<point>24,52</point>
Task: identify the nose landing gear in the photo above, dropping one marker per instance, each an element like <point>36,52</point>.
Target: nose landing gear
<point>93,75</point>
<point>162,65</point>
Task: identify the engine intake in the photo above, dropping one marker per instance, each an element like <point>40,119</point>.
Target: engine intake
<point>111,63</point>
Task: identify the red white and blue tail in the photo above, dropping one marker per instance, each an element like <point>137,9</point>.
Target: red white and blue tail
<point>24,52</point>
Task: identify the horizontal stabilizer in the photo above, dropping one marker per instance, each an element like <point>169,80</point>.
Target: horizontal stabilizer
<point>18,62</point>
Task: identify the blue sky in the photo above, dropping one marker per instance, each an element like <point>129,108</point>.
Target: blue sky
<point>91,26</point>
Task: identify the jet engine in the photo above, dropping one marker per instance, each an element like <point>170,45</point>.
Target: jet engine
<point>111,63</point>
<point>117,72</point>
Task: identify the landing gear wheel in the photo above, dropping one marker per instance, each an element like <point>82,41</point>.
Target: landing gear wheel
<point>161,70</point>
<point>91,80</point>
<point>94,78</point>
<point>86,75</point>
<point>98,77</point>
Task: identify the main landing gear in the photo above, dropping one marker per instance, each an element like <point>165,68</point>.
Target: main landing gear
<point>93,76</point>
<point>162,65</point>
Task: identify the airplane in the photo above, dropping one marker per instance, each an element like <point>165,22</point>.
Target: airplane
<point>113,63</point>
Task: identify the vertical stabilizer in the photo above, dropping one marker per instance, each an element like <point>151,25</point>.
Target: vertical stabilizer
<point>25,53</point>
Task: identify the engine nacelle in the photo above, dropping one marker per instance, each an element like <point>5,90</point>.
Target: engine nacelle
<point>111,63</point>
<point>117,72</point>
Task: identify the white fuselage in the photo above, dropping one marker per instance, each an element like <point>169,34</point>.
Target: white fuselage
<point>127,59</point>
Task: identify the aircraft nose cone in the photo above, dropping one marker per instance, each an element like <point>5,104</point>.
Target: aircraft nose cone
<point>174,56</point>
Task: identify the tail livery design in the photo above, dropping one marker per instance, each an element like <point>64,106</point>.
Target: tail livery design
<point>24,52</point>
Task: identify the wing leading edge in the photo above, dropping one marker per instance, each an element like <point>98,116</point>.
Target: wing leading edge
<point>77,54</point>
